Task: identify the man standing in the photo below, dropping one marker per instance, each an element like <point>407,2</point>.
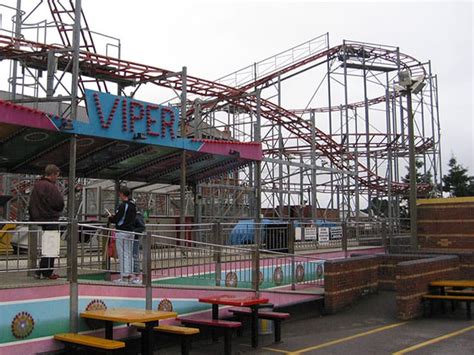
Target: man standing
<point>46,204</point>
<point>124,220</point>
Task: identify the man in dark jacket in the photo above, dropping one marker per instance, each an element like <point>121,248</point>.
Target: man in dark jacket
<point>46,205</point>
<point>124,220</point>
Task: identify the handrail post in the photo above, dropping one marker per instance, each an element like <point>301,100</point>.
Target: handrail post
<point>33,236</point>
<point>384,236</point>
<point>291,238</point>
<point>344,238</point>
<point>147,271</point>
<point>73,284</point>
<point>216,233</point>
<point>291,250</point>
<point>256,259</point>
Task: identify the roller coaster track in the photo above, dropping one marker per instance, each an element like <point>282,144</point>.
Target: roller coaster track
<point>126,73</point>
<point>64,12</point>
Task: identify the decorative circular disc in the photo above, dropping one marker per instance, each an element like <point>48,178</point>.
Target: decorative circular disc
<point>231,279</point>
<point>299,273</point>
<point>319,271</point>
<point>278,275</point>
<point>165,305</point>
<point>119,147</point>
<point>95,305</point>
<point>22,325</point>
<point>36,136</point>
<point>85,142</point>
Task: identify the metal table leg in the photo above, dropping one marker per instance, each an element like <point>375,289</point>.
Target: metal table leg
<point>147,338</point>
<point>254,326</point>
<point>109,330</point>
<point>215,315</point>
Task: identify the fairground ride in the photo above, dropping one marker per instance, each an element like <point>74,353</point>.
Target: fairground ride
<point>333,125</point>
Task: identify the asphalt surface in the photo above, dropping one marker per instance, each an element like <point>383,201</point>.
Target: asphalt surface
<point>368,327</point>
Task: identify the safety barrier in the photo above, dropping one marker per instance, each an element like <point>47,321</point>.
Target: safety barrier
<point>243,255</point>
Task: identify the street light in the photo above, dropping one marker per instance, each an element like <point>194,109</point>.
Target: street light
<point>411,86</point>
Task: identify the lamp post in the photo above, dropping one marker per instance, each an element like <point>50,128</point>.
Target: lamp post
<point>411,86</point>
<point>412,167</point>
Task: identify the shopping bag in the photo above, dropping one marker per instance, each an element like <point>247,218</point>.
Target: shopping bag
<point>112,250</point>
<point>50,243</point>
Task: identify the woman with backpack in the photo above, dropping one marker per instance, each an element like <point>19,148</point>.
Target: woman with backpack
<point>124,219</point>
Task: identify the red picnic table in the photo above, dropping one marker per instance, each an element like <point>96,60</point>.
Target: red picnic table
<point>237,301</point>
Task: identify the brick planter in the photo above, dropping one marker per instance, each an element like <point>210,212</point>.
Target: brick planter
<point>348,279</point>
<point>412,279</point>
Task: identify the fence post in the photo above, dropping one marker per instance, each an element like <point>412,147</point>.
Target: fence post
<point>384,236</point>
<point>216,234</point>
<point>291,238</point>
<point>291,250</point>
<point>32,248</point>
<point>73,285</point>
<point>344,238</point>
<point>256,258</point>
<point>147,271</point>
<point>105,241</point>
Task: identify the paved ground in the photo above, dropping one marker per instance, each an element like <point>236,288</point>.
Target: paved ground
<point>367,328</point>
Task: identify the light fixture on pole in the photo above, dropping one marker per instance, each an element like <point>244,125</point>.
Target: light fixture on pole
<point>411,86</point>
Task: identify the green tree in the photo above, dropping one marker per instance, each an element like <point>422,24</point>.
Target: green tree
<point>380,207</point>
<point>427,190</point>
<point>457,182</point>
<point>426,179</point>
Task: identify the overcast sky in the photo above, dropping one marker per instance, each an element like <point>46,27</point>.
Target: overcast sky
<point>216,38</point>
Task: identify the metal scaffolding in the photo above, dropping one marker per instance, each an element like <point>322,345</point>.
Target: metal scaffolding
<point>332,123</point>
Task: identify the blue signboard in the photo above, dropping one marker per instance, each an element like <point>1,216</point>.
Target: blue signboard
<point>124,118</point>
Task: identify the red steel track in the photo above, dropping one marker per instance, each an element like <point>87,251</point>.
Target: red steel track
<point>104,69</point>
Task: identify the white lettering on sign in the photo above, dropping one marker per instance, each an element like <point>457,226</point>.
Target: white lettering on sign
<point>323,234</point>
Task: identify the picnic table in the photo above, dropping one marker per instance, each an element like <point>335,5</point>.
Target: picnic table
<point>459,284</point>
<point>130,315</point>
<point>450,290</point>
<point>231,300</point>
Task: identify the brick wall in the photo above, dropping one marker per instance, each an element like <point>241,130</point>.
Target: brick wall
<point>466,262</point>
<point>413,277</point>
<point>387,267</point>
<point>446,224</point>
<point>348,279</point>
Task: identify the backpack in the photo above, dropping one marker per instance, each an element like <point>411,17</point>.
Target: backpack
<point>139,225</point>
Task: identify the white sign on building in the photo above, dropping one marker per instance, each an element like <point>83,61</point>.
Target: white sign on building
<point>310,233</point>
<point>323,234</point>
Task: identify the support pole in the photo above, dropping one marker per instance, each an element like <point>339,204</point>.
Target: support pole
<point>367,142</point>
<point>73,296</point>
<point>258,204</point>
<point>281,202</point>
<point>412,164</point>
<point>389,159</point>
<point>147,271</point>
<point>18,19</point>
<point>346,112</point>
<point>182,189</point>
<point>314,207</point>
<point>73,285</point>
<point>216,235</point>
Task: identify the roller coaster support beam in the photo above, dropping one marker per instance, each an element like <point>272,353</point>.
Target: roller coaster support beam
<point>412,165</point>
<point>73,296</point>
<point>182,190</point>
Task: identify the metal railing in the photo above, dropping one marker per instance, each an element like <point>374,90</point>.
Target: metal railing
<point>242,255</point>
<point>190,255</point>
<point>190,262</point>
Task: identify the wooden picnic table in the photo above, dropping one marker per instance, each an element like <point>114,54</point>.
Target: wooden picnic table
<point>453,283</point>
<point>245,301</point>
<point>440,286</point>
<point>130,315</point>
